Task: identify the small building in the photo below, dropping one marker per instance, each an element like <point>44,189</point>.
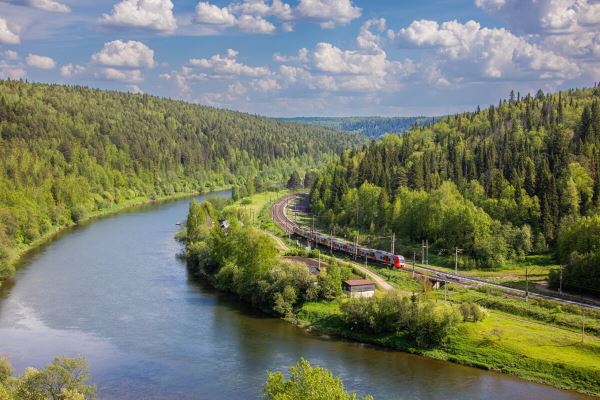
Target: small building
<point>358,288</point>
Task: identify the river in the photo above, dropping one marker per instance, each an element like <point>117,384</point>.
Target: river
<point>114,291</point>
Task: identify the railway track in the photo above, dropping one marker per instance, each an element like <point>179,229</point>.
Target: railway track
<point>278,213</point>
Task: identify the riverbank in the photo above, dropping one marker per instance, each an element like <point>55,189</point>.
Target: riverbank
<point>20,251</point>
<point>501,343</point>
<point>517,344</point>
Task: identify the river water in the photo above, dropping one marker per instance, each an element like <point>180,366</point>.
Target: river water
<point>114,291</point>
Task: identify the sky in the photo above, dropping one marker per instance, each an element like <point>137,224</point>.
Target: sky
<point>307,57</point>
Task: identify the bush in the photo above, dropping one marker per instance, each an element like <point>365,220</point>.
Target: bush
<point>426,322</point>
<point>472,312</point>
<point>307,383</point>
<point>6,370</point>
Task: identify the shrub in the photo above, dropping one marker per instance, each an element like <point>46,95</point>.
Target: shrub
<point>472,312</point>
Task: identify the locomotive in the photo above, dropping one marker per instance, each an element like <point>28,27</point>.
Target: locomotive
<point>383,257</point>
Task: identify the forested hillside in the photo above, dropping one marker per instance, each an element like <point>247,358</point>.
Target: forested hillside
<point>515,178</point>
<point>374,127</point>
<point>68,151</point>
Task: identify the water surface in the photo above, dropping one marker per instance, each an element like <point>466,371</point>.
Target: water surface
<point>115,292</point>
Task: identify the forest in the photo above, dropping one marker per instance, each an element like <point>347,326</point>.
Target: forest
<point>68,151</point>
<point>374,127</point>
<point>516,178</point>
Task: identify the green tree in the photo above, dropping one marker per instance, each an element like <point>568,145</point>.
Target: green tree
<point>307,383</point>
<point>294,182</point>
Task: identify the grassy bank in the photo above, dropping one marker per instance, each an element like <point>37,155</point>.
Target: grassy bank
<point>23,249</point>
<point>502,342</point>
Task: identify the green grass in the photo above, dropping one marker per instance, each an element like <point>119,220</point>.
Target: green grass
<point>502,342</point>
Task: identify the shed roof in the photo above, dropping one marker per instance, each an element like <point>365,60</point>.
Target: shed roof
<point>359,282</point>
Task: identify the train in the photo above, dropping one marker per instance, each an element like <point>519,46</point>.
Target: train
<point>383,257</point>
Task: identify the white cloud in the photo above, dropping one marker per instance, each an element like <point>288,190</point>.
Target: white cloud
<point>50,5</point>
<point>301,57</point>
<point>210,14</point>
<point>548,16</point>
<point>70,70</point>
<point>252,24</point>
<point>367,39</point>
<point>233,93</point>
<point>472,52</point>
<point>328,58</point>
<point>130,54</point>
<point>329,13</point>
<point>8,71</point>
<point>7,36</point>
<point>265,85</point>
<point>134,89</point>
<point>154,15</point>
<point>128,76</point>
<point>224,67</point>
<point>41,62</point>
<point>251,16</point>
<point>10,55</point>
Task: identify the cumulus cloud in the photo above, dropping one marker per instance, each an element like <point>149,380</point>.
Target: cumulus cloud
<point>131,54</point>
<point>468,49</point>
<point>9,71</point>
<point>329,13</point>
<point>41,62</point>
<point>222,18</point>
<point>549,16</point>
<point>301,57</point>
<point>114,74</point>
<point>367,39</point>
<point>156,15</point>
<point>211,14</point>
<point>46,5</point>
<point>227,66</point>
<point>251,16</point>
<point>70,70</point>
<point>265,85</point>
<point>566,27</point>
<point>50,5</point>
<point>7,36</point>
<point>10,55</point>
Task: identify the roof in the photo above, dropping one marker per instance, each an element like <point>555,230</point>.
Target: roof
<point>359,282</point>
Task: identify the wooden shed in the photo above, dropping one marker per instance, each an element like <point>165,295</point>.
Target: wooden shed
<point>358,288</point>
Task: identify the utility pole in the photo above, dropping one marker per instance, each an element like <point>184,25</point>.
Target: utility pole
<point>366,255</point>
<point>445,291</point>
<point>422,252</point>
<point>526,283</point>
<point>356,248</point>
<point>427,251</point>
<point>561,278</point>
<point>414,257</point>
<point>456,251</point>
<point>393,242</point>
<point>331,243</point>
<point>582,325</point>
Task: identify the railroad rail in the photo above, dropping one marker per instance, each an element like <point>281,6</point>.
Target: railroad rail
<point>279,215</point>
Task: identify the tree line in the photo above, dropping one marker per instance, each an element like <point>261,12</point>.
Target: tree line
<point>68,151</point>
<point>499,182</point>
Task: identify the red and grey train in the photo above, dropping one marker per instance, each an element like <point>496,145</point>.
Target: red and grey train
<point>384,257</point>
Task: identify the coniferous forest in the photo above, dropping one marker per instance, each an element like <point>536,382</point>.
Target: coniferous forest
<point>66,152</point>
<point>516,178</point>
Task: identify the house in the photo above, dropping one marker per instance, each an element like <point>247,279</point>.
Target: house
<point>358,288</point>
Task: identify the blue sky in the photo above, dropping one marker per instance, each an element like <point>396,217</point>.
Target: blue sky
<point>307,57</point>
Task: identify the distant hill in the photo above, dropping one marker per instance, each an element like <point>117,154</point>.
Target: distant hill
<point>67,152</point>
<point>374,127</point>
